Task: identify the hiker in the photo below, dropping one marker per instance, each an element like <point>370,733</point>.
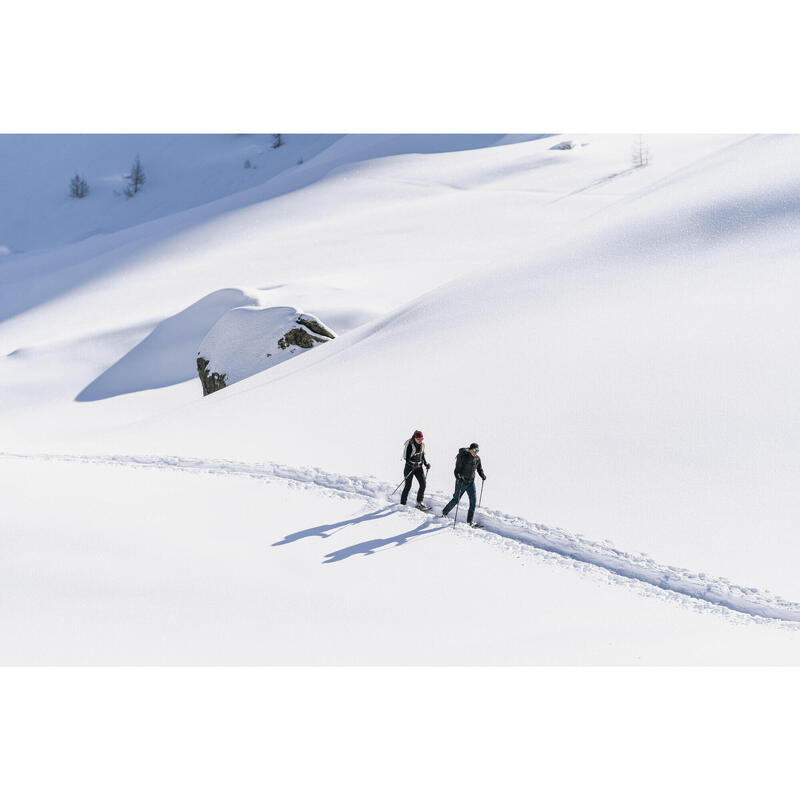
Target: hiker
<point>468,462</point>
<point>415,460</point>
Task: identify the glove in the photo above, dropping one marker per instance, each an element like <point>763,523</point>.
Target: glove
<point>428,466</point>
<point>483,477</point>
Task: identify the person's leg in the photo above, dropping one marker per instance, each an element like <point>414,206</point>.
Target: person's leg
<point>420,473</point>
<point>470,487</point>
<point>409,473</point>
<point>456,497</point>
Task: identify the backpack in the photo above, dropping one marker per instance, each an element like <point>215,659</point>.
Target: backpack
<point>405,447</point>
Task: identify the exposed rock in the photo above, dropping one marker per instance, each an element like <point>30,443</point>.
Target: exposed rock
<point>314,325</point>
<point>250,339</point>
<point>211,381</point>
<point>567,145</point>
<point>300,337</point>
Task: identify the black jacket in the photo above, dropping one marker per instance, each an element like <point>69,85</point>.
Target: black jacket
<point>415,455</point>
<point>467,465</point>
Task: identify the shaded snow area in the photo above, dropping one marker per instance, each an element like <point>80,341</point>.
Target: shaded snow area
<point>620,340</point>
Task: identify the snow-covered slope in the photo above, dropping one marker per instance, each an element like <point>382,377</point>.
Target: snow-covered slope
<point>37,212</point>
<point>618,340</point>
<point>179,562</point>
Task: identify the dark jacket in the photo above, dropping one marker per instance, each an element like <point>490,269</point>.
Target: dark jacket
<point>415,455</point>
<point>467,465</point>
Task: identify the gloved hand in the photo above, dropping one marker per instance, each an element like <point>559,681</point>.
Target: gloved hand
<point>428,466</point>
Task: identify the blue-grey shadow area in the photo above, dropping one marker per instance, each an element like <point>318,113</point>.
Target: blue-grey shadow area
<point>371,546</point>
<point>31,279</point>
<point>323,531</point>
<point>688,230</point>
<point>168,354</point>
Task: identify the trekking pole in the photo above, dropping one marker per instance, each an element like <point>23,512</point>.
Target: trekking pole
<point>479,501</point>
<point>399,484</point>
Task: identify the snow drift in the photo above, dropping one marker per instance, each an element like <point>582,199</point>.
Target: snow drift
<point>250,338</point>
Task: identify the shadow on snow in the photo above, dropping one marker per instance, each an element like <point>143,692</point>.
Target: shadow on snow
<point>369,547</point>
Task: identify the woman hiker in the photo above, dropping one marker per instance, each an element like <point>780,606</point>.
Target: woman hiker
<point>415,460</point>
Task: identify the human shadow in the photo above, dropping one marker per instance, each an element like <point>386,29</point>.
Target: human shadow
<point>371,546</point>
<point>323,531</point>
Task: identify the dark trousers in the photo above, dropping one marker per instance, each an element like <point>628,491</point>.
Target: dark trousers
<point>462,487</point>
<point>411,473</point>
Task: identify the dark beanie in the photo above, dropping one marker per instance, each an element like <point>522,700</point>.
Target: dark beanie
<point>473,445</point>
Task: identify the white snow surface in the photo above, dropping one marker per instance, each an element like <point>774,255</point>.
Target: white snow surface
<point>620,341</point>
<point>247,339</point>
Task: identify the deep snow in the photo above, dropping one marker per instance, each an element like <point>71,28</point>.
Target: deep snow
<point>138,564</point>
<point>618,340</point>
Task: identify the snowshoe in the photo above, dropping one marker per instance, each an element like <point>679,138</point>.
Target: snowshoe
<point>423,507</point>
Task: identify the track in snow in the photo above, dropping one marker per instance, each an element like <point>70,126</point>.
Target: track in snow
<point>717,591</point>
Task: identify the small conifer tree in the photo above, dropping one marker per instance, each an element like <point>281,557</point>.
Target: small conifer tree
<point>136,178</point>
<point>78,186</point>
<point>641,152</point>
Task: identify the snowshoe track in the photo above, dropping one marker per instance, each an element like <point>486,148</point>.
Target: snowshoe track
<point>699,586</point>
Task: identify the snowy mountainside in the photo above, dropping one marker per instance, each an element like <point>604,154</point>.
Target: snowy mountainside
<point>616,338</point>
<point>180,172</point>
<point>630,367</point>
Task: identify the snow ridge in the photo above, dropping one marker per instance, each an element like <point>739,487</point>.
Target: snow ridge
<point>717,591</point>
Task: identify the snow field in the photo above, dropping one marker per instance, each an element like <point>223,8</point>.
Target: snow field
<point>638,568</point>
<point>617,340</point>
<point>168,565</point>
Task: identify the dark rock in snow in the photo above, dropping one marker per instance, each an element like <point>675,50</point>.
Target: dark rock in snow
<point>250,339</point>
<point>212,381</point>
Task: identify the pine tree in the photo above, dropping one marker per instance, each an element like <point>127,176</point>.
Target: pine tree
<point>641,152</point>
<point>78,186</point>
<point>136,179</point>
<point>276,140</point>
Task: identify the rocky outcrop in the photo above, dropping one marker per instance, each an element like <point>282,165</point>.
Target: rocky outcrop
<point>212,381</point>
<point>315,326</point>
<point>250,339</point>
<point>301,336</point>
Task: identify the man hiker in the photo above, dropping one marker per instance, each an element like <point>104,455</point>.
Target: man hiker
<point>415,460</point>
<point>468,462</point>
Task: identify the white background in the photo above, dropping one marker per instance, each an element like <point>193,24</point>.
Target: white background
<point>363,67</point>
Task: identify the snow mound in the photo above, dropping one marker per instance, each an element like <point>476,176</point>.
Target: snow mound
<point>250,339</point>
<point>164,357</point>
